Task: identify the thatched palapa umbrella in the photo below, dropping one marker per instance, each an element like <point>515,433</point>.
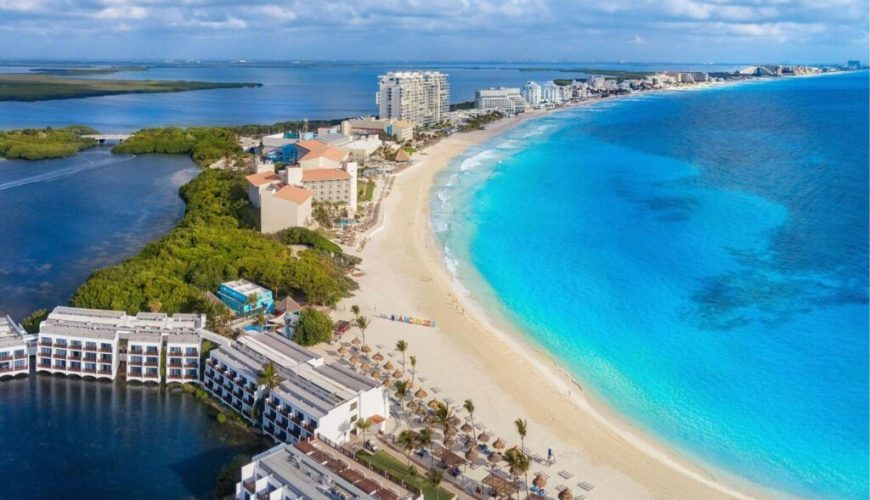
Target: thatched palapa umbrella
<point>342,350</point>
<point>540,480</point>
<point>499,444</point>
<point>388,365</point>
<point>375,373</point>
<point>566,494</point>
<point>433,403</point>
<point>354,359</point>
<point>356,341</point>
<point>455,421</point>
<point>378,357</point>
<point>421,393</point>
<point>495,457</point>
<point>397,374</point>
<point>366,348</point>
<point>471,455</point>
<point>483,437</point>
<point>365,367</point>
<point>466,428</point>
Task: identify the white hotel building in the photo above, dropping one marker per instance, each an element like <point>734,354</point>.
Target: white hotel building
<point>502,99</point>
<point>94,342</point>
<point>14,348</point>
<point>420,97</point>
<point>314,398</point>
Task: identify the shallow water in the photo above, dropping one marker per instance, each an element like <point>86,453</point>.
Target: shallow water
<point>698,258</point>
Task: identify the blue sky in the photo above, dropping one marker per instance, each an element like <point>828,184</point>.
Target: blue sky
<point>520,30</point>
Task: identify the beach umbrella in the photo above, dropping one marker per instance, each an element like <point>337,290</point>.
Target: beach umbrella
<point>356,341</point>
<point>420,411</point>
<point>483,437</point>
<point>495,457</point>
<point>450,441</point>
<point>388,382</point>
<point>365,367</point>
<point>397,373</point>
<point>375,373</point>
<point>421,393</point>
<point>342,350</point>
<point>454,421</point>
<point>366,348</point>
<point>471,455</point>
<point>540,480</point>
<point>433,404</point>
<point>466,428</point>
<point>566,494</point>
<point>388,366</point>
<point>412,404</point>
<point>378,357</point>
<point>354,359</point>
<point>499,444</point>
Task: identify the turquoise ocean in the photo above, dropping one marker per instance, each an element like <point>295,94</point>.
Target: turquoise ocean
<point>699,259</point>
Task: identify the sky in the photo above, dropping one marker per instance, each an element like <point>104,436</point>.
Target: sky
<point>775,31</point>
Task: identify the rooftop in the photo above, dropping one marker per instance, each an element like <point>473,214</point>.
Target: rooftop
<point>262,178</point>
<point>324,174</point>
<point>293,193</point>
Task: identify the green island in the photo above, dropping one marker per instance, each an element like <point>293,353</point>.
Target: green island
<point>614,73</point>
<point>39,87</point>
<point>39,144</point>
<point>80,71</point>
<point>205,145</point>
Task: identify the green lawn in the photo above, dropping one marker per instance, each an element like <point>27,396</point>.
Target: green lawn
<point>383,461</point>
<point>365,190</point>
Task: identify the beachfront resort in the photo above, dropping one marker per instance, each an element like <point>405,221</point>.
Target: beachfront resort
<point>348,418</point>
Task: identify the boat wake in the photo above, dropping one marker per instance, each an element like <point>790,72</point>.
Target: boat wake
<point>64,172</point>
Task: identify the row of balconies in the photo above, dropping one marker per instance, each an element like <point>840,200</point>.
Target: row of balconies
<point>77,346</point>
<point>4,356</point>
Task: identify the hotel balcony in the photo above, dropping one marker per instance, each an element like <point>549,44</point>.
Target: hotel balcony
<point>5,356</point>
<point>105,349</point>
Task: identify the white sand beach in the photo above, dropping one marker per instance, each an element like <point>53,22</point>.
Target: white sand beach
<point>466,357</point>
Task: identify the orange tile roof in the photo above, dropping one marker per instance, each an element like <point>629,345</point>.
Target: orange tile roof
<point>293,193</point>
<point>262,178</point>
<point>324,174</point>
<point>329,152</point>
<point>312,144</point>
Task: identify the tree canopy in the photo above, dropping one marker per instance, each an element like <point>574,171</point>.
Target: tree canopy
<point>313,327</point>
<point>204,144</point>
<point>38,144</point>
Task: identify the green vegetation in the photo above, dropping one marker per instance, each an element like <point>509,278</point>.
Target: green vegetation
<point>563,82</point>
<point>479,122</point>
<point>384,462</point>
<point>214,242</point>
<point>229,475</point>
<point>303,236</point>
<point>313,327</point>
<point>365,189</point>
<point>31,323</point>
<point>38,144</point>
<point>204,144</point>
<point>40,87</point>
<point>462,105</point>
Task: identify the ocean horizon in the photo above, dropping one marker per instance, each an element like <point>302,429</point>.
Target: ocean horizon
<point>698,259</point>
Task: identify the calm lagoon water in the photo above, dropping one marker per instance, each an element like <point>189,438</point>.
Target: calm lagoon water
<point>78,439</point>
<point>699,259</point>
<point>62,219</point>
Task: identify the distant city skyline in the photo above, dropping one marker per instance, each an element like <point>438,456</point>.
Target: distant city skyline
<point>695,31</point>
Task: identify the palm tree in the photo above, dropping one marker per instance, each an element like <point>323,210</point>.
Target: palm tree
<point>443,414</point>
<point>433,478</point>
<point>269,376</point>
<point>402,389</point>
<point>261,321</point>
<point>355,310</point>
<point>424,439</point>
<point>252,300</point>
<point>413,360</point>
<point>469,407</point>
<point>362,323</point>
<point>363,425</point>
<point>519,464</point>
<point>523,429</point>
<point>407,441</point>
<point>402,346</point>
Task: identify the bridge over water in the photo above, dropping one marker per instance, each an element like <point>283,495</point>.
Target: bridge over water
<point>104,138</point>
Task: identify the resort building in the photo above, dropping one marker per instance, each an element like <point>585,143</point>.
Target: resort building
<point>502,99</point>
<point>399,130</point>
<point>314,398</point>
<point>285,206</point>
<point>245,298</point>
<point>313,470</point>
<point>14,348</point>
<point>551,93</point>
<point>422,98</point>
<point>361,149</point>
<point>531,92</point>
<point>88,342</point>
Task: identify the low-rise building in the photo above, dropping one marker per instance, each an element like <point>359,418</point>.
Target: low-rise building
<point>399,130</point>
<point>14,348</point>
<point>314,398</point>
<point>88,342</point>
<point>245,298</point>
<point>313,470</point>
<point>502,99</point>
<point>285,206</point>
<point>182,357</point>
<point>362,148</point>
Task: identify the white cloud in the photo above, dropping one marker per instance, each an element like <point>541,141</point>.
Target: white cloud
<point>125,12</point>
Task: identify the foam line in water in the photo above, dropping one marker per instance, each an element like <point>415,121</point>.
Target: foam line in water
<point>63,172</point>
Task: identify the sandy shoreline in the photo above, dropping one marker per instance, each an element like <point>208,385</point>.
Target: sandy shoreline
<point>468,357</point>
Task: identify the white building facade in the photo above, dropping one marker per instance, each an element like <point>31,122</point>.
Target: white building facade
<point>504,100</point>
<point>421,97</point>
<point>531,92</point>
<point>14,348</point>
